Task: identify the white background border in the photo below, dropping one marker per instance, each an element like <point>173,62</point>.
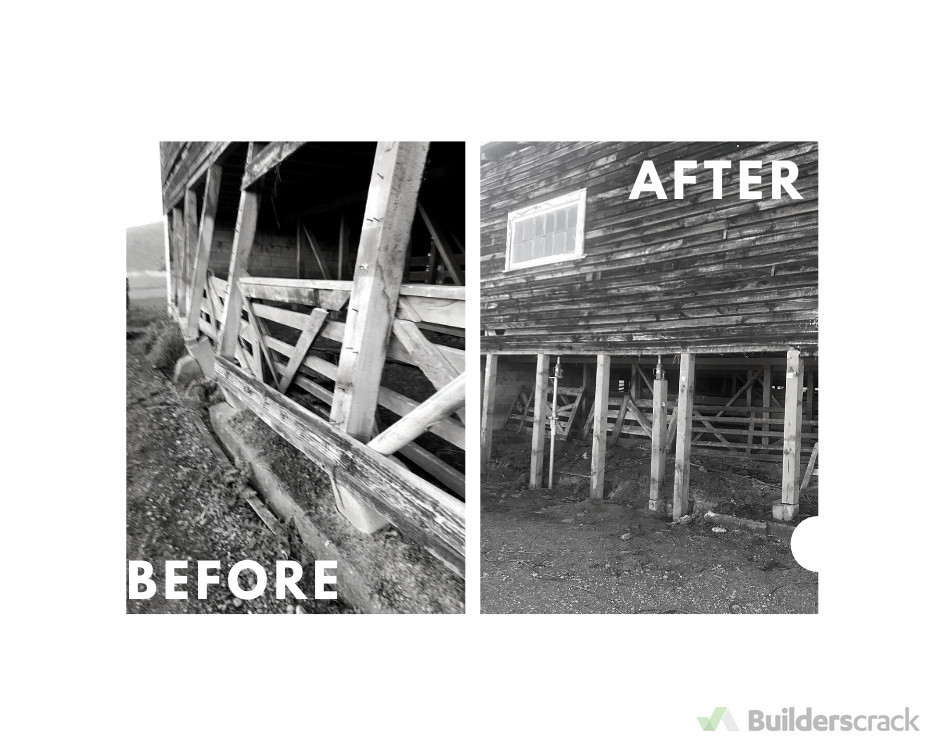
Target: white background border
<point>88,83</point>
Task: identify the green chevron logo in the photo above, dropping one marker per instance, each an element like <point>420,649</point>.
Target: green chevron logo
<point>721,714</point>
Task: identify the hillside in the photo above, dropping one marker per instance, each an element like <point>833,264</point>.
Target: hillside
<point>145,247</point>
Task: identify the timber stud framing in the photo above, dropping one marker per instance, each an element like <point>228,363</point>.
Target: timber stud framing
<point>361,368</point>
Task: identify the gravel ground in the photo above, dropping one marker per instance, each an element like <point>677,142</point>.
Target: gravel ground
<point>554,552</point>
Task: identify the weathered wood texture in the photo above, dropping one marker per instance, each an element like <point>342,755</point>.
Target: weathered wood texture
<point>266,159</point>
<point>242,245</point>
<point>697,274</point>
<point>204,239</point>
<point>388,218</point>
<point>540,420</point>
<point>177,256</point>
<point>793,418</point>
<point>488,408</point>
<point>438,407</point>
<point>599,446</point>
<point>658,447</point>
<point>427,514</point>
<point>521,417</point>
<point>372,322</point>
<point>684,416</point>
<point>182,163</point>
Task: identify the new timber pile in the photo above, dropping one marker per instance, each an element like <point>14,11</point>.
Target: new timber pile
<point>347,328</point>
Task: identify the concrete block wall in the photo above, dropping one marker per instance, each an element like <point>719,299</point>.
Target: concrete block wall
<point>512,375</point>
<point>273,255</point>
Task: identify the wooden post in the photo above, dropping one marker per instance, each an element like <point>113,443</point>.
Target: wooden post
<point>809,394</point>
<point>169,261</point>
<point>749,402</point>
<point>599,444</point>
<point>793,420</point>
<point>190,244</point>
<point>299,262</point>
<point>583,409</point>
<point>687,390</point>
<point>658,446</point>
<point>488,407</point>
<point>177,237</point>
<point>388,218</point>
<point>539,421</point>
<point>453,269</point>
<point>242,245</point>
<point>202,252</point>
<point>342,247</point>
<point>431,263</point>
<point>317,254</point>
<point>766,401</point>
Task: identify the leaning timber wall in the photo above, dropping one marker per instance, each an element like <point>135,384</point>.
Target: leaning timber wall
<point>347,345</point>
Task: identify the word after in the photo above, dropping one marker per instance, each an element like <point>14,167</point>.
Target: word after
<point>783,176</point>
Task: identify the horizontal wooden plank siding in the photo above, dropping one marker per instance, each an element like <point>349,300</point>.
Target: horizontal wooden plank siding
<point>658,276</point>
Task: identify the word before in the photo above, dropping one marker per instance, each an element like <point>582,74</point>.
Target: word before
<point>288,573</point>
<point>783,175</point>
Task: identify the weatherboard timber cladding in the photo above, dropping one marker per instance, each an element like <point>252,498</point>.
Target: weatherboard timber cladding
<point>182,164</point>
<point>658,276</point>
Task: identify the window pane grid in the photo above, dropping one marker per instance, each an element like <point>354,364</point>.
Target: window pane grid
<point>547,234</point>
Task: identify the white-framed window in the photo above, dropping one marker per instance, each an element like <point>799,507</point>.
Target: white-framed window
<point>548,232</point>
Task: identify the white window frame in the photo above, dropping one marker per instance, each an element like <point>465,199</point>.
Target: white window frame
<point>579,196</point>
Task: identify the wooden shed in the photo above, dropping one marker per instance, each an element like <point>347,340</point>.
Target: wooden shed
<point>712,291</point>
<point>322,286</point>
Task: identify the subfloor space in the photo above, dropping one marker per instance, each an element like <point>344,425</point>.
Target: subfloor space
<point>555,551</point>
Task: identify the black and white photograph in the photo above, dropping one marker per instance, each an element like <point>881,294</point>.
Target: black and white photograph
<point>296,380</point>
<point>650,400</point>
<point>704,260</point>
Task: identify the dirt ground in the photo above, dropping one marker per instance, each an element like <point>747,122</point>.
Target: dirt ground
<point>555,551</point>
<point>402,576</point>
<point>183,502</point>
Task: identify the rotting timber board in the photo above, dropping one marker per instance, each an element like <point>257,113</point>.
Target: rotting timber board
<point>426,514</point>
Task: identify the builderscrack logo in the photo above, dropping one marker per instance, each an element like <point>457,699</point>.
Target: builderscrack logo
<point>721,714</point>
<point>789,720</point>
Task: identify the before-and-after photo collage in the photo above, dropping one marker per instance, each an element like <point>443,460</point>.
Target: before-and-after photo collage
<point>628,404</point>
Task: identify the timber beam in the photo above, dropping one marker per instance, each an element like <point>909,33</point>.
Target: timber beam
<point>424,512</point>
<point>266,159</point>
<point>438,407</point>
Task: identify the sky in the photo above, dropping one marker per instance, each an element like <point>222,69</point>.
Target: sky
<point>140,200</point>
